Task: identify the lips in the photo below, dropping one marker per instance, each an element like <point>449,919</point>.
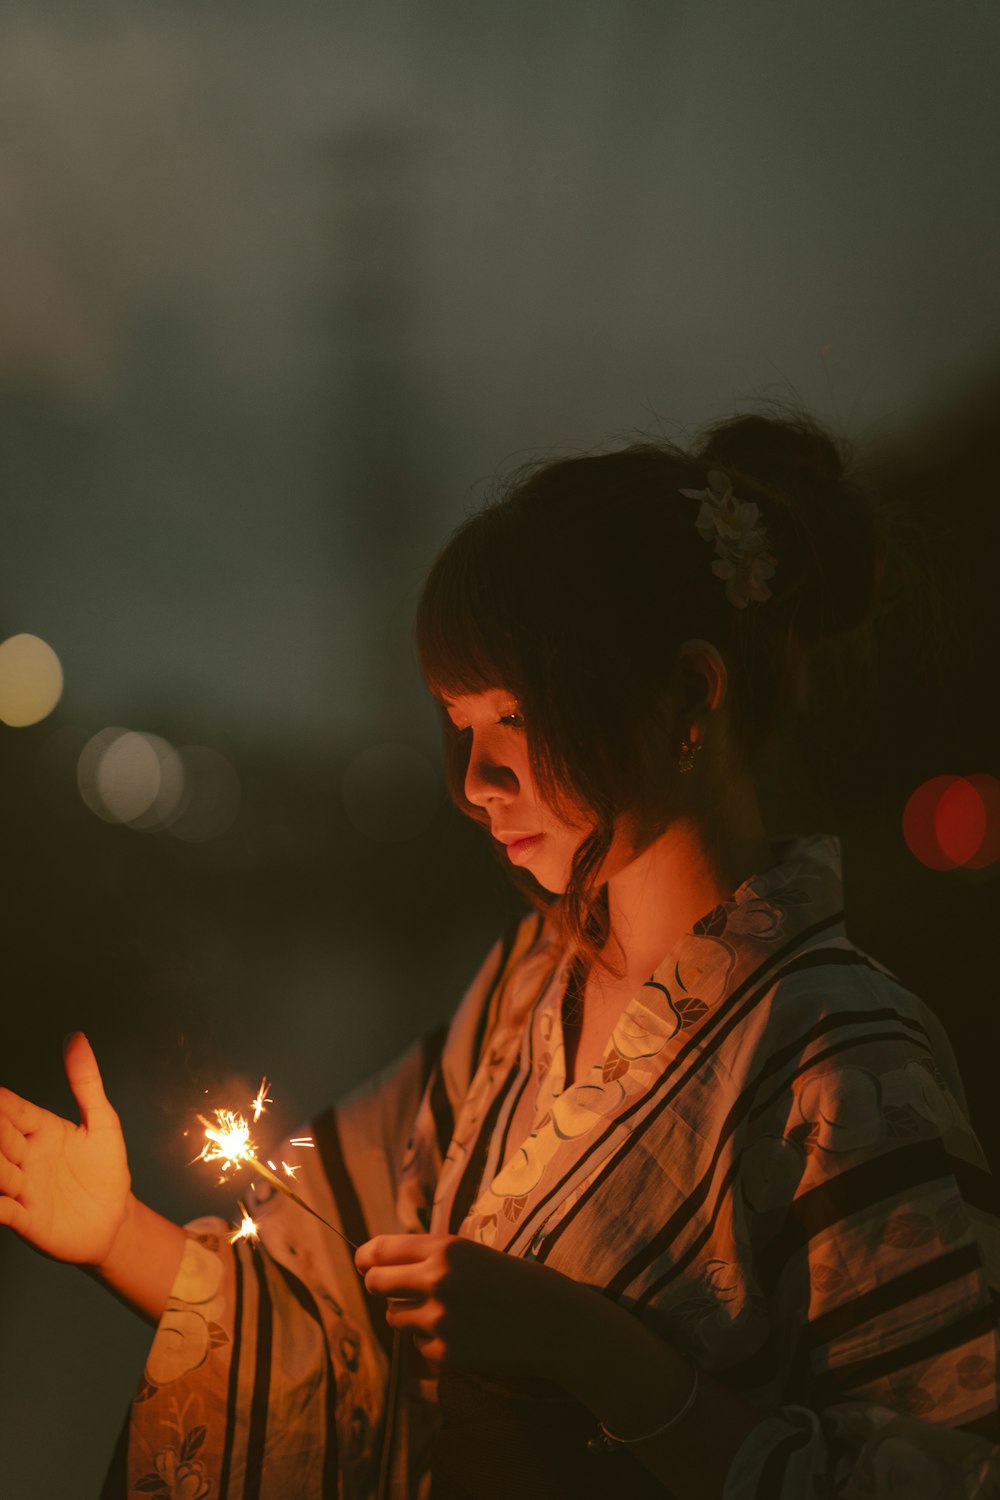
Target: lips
<point>513,838</point>
<point>521,848</point>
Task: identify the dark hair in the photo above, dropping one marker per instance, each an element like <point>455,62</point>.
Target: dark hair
<point>575,586</point>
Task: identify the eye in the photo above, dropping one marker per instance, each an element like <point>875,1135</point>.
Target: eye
<point>511,720</point>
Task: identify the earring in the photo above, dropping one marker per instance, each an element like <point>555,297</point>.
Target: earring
<point>685,761</point>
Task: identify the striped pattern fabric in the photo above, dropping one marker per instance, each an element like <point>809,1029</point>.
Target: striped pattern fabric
<point>772,1165</point>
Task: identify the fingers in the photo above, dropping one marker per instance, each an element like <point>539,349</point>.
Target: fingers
<point>397,1281</point>
<point>421,1316</point>
<point>11,1178</point>
<point>424,1326</point>
<point>22,1114</point>
<point>13,1214</point>
<point>12,1142</point>
<point>12,1153</point>
<point>84,1078</point>
<point>393,1249</point>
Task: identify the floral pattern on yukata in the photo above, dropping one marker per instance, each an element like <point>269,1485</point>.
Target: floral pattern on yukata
<point>190,1326</point>
<point>842,1110</point>
<point>687,985</point>
<point>188,1331</point>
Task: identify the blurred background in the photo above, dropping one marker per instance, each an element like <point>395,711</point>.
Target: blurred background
<point>283,288</point>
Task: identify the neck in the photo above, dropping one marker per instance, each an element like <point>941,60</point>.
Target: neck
<point>658,895</point>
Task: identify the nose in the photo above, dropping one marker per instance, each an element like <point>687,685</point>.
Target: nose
<point>488,776</point>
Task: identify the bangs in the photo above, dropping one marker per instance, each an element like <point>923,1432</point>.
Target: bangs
<point>465,635</point>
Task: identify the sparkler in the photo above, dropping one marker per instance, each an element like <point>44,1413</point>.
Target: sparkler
<point>247,1229</point>
<point>261,1100</point>
<point>228,1141</point>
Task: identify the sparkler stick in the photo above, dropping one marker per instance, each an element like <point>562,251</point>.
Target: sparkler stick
<point>229,1142</point>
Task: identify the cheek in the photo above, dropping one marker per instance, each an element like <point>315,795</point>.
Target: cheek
<point>554,862</point>
<point>553,871</point>
<point>567,821</point>
<point>565,826</point>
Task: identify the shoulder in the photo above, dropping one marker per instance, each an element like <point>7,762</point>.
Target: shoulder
<point>857,1061</point>
<point>838,993</point>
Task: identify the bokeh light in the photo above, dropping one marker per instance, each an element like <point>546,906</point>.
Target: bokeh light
<point>953,822</point>
<point>959,821</point>
<point>988,852</point>
<point>87,770</point>
<point>172,789</point>
<point>128,777</point>
<point>141,780</point>
<point>31,680</point>
<point>119,775</point>
<point>391,792</point>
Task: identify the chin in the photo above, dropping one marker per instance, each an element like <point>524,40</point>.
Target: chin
<point>554,884</point>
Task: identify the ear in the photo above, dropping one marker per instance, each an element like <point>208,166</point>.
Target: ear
<point>703,679</point>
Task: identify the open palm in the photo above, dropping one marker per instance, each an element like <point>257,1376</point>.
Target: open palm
<point>64,1187</point>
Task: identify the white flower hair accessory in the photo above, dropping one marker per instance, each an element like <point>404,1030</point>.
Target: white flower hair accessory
<point>742,550</point>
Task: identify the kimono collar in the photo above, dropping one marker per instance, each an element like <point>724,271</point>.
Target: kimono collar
<point>803,886</point>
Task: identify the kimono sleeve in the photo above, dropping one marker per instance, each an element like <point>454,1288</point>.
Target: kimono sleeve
<point>267,1375</point>
<point>873,1220</point>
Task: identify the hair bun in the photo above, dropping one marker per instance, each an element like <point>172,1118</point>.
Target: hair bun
<point>820,522</point>
<point>776,451</point>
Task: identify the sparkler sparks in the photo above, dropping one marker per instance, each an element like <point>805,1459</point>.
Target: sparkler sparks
<point>228,1141</point>
<point>261,1100</point>
<point>247,1229</point>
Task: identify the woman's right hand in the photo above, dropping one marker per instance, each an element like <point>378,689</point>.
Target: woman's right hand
<point>64,1188</point>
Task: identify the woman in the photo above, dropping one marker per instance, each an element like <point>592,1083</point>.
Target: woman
<point>685,1201</point>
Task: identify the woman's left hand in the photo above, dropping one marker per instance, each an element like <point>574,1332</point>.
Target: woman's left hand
<point>470,1306</point>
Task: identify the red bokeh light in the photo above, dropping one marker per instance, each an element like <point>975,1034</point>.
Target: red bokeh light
<point>953,822</point>
<point>988,852</point>
<point>959,821</point>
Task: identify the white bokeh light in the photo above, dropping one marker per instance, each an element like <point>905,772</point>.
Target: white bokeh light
<point>87,768</point>
<point>128,777</point>
<point>31,680</point>
<point>172,791</point>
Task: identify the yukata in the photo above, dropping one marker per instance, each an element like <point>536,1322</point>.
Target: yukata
<point>772,1166</point>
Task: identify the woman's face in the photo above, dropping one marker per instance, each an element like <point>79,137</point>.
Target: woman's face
<point>499,781</point>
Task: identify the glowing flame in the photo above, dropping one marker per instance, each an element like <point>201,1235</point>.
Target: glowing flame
<point>228,1140</point>
<point>247,1229</point>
